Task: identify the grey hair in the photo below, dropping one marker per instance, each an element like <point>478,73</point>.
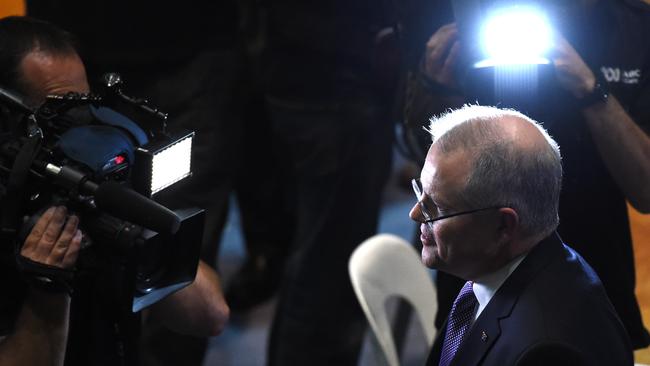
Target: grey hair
<point>503,173</point>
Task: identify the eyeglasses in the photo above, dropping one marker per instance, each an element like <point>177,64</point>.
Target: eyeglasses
<point>428,217</point>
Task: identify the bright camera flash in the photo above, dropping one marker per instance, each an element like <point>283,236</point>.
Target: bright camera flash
<point>163,163</point>
<point>171,165</point>
<point>516,35</point>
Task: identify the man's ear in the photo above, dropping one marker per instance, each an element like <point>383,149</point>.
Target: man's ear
<point>508,223</point>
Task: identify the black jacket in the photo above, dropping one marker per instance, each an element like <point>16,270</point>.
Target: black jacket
<point>552,310</point>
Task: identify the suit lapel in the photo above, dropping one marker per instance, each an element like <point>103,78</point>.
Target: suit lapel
<point>436,349</point>
<point>487,330</point>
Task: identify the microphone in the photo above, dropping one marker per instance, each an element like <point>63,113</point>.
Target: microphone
<point>130,205</point>
<point>118,200</point>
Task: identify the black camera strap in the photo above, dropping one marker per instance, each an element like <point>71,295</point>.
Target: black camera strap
<point>43,277</point>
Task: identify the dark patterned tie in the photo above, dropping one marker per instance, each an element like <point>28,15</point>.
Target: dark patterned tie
<point>460,321</point>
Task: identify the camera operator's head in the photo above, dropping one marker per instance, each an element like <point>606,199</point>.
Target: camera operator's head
<point>38,59</point>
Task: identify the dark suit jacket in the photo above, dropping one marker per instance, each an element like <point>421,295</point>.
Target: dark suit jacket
<point>552,310</point>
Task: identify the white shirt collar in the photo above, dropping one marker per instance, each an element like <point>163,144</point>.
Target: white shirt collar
<point>486,286</point>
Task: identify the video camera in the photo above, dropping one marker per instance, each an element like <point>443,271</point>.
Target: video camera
<point>506,45</point>
<point>77,150</point>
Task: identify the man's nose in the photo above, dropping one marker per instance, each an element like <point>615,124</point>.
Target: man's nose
<point>416,214</point>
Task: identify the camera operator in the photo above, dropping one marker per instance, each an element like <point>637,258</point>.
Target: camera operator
<point>38,59</point>
<point>604,133</point>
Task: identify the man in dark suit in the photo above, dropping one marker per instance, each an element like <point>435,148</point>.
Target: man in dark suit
<point>488,206</point>
<point>595,102</point>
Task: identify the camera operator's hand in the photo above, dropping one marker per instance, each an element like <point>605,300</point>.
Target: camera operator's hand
<point>572,72</point>
<point>441,56</point>
<point>54,241</point>
<point>42,323</point>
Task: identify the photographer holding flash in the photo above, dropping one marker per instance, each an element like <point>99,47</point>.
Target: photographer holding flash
<point>601,117</point>
<point>38,59</point>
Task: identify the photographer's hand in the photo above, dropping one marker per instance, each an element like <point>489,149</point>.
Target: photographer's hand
<point>433,87</point>
<point>623,146</point>
<point>571,71</point>
<point>41,330</point>
<point>441,56</point>
<point>53,241</point>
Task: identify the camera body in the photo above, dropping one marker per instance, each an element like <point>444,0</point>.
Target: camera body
<point>75,150</point>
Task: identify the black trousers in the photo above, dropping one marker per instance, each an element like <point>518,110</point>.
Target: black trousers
<point>336,158</point>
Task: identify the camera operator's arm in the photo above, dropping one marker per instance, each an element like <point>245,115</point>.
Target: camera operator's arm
<point>433,88</point>
<point>623,145</point>
<point>200,309</point>
<point>41,329</point>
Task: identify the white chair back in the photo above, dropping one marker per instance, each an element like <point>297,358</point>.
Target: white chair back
<point>383,266</point>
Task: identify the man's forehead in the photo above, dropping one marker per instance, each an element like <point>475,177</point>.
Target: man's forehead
<point>427,174</point>
<point>46,73</point>
<point>445,170</point>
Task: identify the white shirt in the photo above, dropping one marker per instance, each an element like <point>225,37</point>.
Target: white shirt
<point>485,287</point>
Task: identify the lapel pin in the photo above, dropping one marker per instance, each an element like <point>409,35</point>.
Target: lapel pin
<point>484,336</point>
